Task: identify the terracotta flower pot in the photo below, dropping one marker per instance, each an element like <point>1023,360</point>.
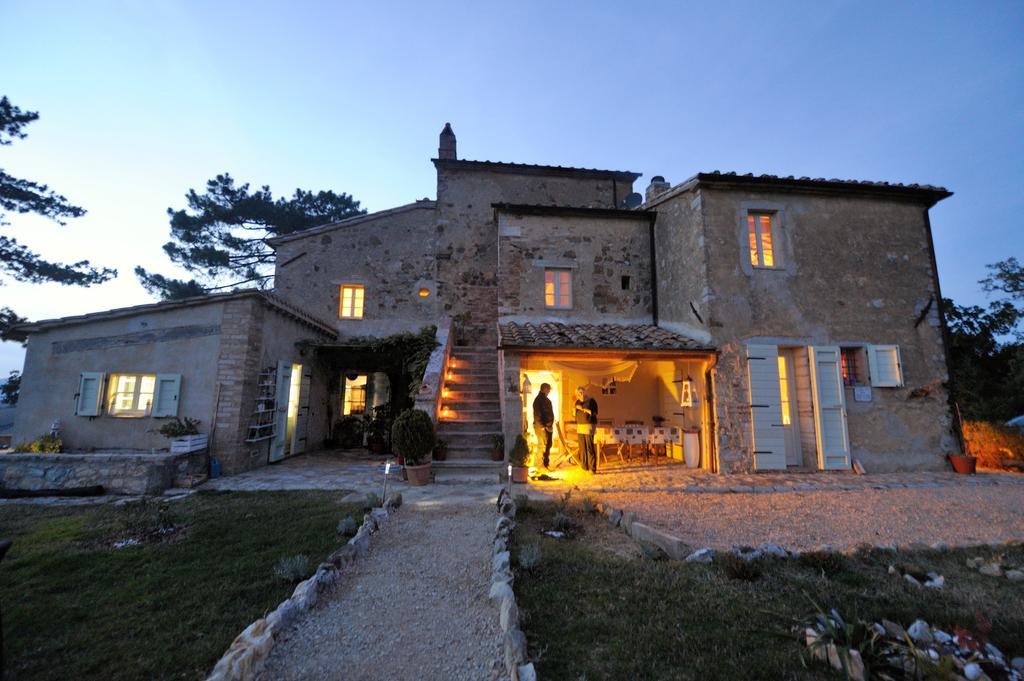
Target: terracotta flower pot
<point>520,474</point>
<point>963,464</point>
<point>418,475</point>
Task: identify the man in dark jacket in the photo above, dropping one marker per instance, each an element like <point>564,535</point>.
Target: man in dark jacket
<point>586,424</point>
<point>543,420</point>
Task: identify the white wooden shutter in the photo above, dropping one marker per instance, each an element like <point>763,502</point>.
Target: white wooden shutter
<point>766,407</point>
<point>302,418</point>
<point>885,366</point>
<point>829,408</point>
<point>284,379</point>
<point>165,395</point>
<point>90,393</point>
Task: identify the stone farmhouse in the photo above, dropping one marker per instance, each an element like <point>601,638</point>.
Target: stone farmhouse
<point>780,322</point>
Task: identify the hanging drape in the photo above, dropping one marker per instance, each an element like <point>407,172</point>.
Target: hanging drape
<point>596,372</point>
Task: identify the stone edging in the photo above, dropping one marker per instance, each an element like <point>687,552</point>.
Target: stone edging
<point>676,549</point>
<point>244,658</point>
<point>814,487</point>
<point>501,591</point>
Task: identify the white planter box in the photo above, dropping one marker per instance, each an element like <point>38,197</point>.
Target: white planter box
<point>189,443</point>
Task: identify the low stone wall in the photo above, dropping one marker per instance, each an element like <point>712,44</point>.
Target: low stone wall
<point>247,654</point>
<point>519,669</point>
<point>117,472</point>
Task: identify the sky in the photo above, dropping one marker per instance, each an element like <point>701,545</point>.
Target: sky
<point>139,102</point>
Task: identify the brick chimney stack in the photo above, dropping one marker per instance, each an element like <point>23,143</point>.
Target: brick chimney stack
<point>656,188</point>
<point>446,146</point>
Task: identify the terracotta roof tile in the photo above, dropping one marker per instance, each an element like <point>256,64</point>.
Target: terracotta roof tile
<point>609,336</point>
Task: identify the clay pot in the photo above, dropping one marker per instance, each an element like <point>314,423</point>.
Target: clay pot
<point>963,464</point>
<point>520,474</point>
<point>418,475</point>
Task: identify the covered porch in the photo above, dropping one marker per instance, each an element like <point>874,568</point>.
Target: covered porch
<point>652,387</point>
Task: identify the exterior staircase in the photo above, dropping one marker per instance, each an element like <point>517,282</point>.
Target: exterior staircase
<point>470,415</point>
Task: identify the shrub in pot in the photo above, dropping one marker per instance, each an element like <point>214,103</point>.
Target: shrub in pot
<point>413,437</point>
<point>518,457</point>
<point>348,432</point>
<point>184,435</point>
<point>377,433</point>
<point>498,447</point>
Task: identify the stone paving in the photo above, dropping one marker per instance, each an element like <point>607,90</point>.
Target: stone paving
<point>353,470</point>
<point>659,475</point>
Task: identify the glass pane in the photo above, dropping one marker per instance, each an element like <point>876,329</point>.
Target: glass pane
<point>784,391</point>
<point>146,388</point>
<point>549,289</point>
<point>767,252</point>
<point>752,237</point>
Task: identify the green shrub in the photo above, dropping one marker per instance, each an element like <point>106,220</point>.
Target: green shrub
<point>529,556</point>
<point>413,436</point>
<point>993,442</point>
<point>348,432</point>
<point>522,503</point>
<point>372,501</point>
<point>292,568</point>
<point>520,452</point>
<point>588,504</point>
<point>562,522</point>
<point>179,428</point>
<point>44,444</point>
<point>347,527</point>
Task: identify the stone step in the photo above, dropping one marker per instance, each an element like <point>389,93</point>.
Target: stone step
<point>477,396</point>
<point>482,441</point>
<point>464,372</point>
<point>472,382</point>
<point>468,471</point>
<point>469,411</point>
<point>464,426</point>
<point>467,453</point>
<point>474,348</point>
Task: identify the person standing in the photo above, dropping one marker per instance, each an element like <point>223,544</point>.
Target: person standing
<point>544,420</point>
<point>586,423</point>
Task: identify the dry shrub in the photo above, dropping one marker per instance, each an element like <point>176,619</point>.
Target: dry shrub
<point>825,562</point>
<point>740,568</point>
<point>993,443</point>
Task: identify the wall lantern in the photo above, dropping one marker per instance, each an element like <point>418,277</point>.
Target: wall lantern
<point>686,393</point>
<point>527,386</point>
<point>424,292</point>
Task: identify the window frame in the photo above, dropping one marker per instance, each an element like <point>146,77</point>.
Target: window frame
<point>858,375</point>
<point>135,412</point>
<point>358,295</point>
<point>557,291</point>
<point>753,222</point>
<point>348,403</point>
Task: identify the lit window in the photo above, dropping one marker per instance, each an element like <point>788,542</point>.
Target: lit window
<point>351,305</point>
<point>558,289</point>
<point>784,392</point>
<point>355,395</point>
<point>130,395</point>
<point>759,239</point>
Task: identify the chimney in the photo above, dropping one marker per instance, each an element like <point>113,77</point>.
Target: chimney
<point>656,188</point>
<point>446,146</point>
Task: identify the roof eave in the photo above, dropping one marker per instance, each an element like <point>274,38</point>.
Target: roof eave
<point>535,169</point>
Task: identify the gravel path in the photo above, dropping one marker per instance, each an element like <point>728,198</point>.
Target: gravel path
<point>416,607</point>
<point>805,520</point>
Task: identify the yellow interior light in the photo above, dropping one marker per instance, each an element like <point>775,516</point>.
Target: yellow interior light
<point>424,292</point>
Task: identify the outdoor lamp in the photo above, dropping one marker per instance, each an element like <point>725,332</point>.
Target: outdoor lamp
<point>686,393</point>
<point>527,386</point>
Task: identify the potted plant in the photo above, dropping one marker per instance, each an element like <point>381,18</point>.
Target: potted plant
<point>348,432</point>
<point>376,434</point>
<point>963,463</point>
<point>518,457</point>
<point>412,437</point>
<point>440,452</point>
<point>498,447</point>
<point>184,435</point>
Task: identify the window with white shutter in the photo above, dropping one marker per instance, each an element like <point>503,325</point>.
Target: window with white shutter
<point>165,396</point>
<point>885,366</point>
<point>90,392</point>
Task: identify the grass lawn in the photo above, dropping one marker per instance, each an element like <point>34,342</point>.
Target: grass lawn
<point>74,607</point>
<point>594,608</point>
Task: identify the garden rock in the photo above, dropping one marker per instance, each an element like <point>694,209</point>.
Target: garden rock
<point>991,569</point>
<point>500,591</point>
<point>515,648</point>
<point>508,616</point>
<point>615,517</point>
<point>704,555</point>
<point>1017,663</point>
<point>920,632</point>
<point>1015,575</point>
<point>526,672</point>
<point>773,550</point>
<point>501,561</point>
<point>972,671</point>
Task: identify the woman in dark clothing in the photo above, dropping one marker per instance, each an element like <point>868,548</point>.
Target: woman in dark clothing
<point>586,423</point>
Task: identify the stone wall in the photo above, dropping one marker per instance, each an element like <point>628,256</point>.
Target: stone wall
<point>854,270</point>
<point>392,256</point>
<point>609,258</point>
<point>183,341</point>
<point>467,230</point>
<point>118,473</point>
<point>680,253</point>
